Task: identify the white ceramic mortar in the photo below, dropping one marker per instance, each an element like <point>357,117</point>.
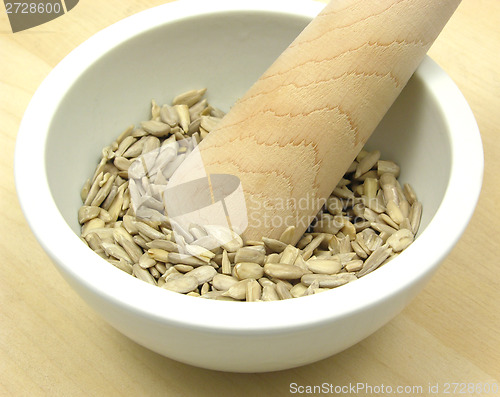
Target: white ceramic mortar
<point>106,84</point>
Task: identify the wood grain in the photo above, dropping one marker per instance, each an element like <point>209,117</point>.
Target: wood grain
<point>52,344</point>
<point>293,135</point>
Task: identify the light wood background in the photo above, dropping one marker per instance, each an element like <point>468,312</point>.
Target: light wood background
<point>51,343</point>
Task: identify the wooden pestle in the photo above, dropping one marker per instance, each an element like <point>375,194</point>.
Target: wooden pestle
<point>293,135</point>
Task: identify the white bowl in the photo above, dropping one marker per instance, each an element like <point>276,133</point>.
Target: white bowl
<point>106,84</point>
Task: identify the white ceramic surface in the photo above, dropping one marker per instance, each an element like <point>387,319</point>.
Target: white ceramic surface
<point>107,83</point>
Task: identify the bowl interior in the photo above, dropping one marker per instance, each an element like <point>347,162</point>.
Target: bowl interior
<point>225,52</point>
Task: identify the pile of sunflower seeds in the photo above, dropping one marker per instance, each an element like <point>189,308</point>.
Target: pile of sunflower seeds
<point>368,220</point>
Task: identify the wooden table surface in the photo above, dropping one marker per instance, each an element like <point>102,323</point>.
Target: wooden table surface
<point>51,343</point>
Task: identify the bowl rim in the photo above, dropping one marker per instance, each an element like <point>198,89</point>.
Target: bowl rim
<point>89,271</point>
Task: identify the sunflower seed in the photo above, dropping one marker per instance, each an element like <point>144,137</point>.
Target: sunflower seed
<point>169,116</point>
<point>388,185</point>
<point>105,216</point>
<point>354,266</point>
<point>253,291</point>
<point>283,271</point>
<point>367,163</point>
<point>409,193</point>
<point>184,117</point>
<point>247,254</point>
<point>372,241</point>
<point>247,270</point>
<point>93,241</point>
<point>329,225</point>
<point>369,174</point>
<point>370,187</point>
<point>116,251</point>
<point>375,205</point>
<point>400,240</point>
<point>343,193</point>
<point>298,290</point>
<point>171,273</point>
<point>349,230</point>
<point>124,145</point>
<point>134,150</point>
<point>394,212</point>
<point>203,274</point>
<point>358,250</point>
<point>269,293</point>
<point>199,252</point>
<point>196,109</point>
<point>226,264</point>
<point>155,109</point>
<point>272,258</point>
<point>106,204</point>
<point>148,231</point>
<point>374,260</point>
<point>189,98</point>
<point>85,190</point>
<point>94,188</point>
<point>344,244</point>
<point>181,285</point>
<point>218,295</point>
<point>122,265</point>
<point>238,291</point>
<point>346,257</point>
<point>181,268</point>
<point>141,242</point>
<point>406,224</point>
<point>388,220</point>
<point>143,274</point>
<point>312,288</point>
<point>324,266</point>
<point>86,213</point>
<point>209,123</point>
<point>166,245</point>
<point>223,282</point>
<point>146,261</point>
<point>129,224</point>
<point>103,191</point>
<point>156,128</point>
<point>309,248</point>
<point>380,227</point>
<point>282,291</point>
<point>159,254</point>
<point>289,255</point>
<point>151,144</point>
<point>404,206</point>
<point>128,131</point>
<point>92,225</point>
<point>205,288</point>
<point>327,280</point>
<point>174,257</point>
<point>229,240</point>
<point>415,215</point>
<point>155,273</point>
<point>217,112</point>
<point>125,240</point>
<point>390,167</point>
<point>287,236</point>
